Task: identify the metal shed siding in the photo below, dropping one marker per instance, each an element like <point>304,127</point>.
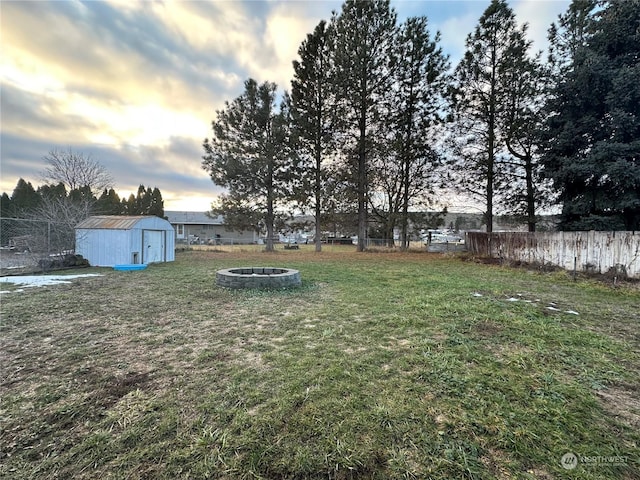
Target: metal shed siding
<point>107,247</point>
<point>104,248</point>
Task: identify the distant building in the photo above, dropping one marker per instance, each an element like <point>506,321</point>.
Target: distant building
<point>200,229</point>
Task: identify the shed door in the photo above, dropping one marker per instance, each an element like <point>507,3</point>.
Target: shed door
<point>153,246</point>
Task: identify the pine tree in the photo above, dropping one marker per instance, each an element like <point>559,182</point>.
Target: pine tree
<point>416,105</point>
<point>129,205</point>
<point>141,202</point>
<point>480,101</point>
<point>156,206</point>
<point>520,120</point>
<point>24,199</point>
<point>58,191</point>
<point>109,203</point>
<point>364,33</point>
<point>5,205</point>
<point>248,155</point>
<point>5,224</point>
<point>82,195</point>
<point>312,116</point>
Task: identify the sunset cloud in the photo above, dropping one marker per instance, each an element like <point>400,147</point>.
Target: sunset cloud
<point>136,84</point>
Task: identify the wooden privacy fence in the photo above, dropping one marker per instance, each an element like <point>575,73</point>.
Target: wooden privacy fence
<point>586,251</point>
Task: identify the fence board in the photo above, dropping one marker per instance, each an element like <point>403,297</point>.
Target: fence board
<point>591,251</point>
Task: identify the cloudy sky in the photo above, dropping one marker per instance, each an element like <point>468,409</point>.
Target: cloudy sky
<point>136,84</point>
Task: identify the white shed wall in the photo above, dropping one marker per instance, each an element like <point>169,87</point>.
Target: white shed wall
<point>105,248</point>
<point>170,245</point>
<point>108,247</point>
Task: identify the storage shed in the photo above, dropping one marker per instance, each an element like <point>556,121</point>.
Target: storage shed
<point>108,240</point>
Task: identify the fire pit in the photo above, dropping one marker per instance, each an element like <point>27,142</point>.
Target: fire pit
<point>258,277</point>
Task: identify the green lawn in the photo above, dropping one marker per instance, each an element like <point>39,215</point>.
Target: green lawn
<point>381,366</point>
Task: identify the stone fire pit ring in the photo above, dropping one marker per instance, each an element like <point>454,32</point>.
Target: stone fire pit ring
<point>258,277</point>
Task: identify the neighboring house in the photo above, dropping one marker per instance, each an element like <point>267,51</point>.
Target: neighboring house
<point>200,228</point>
<point>108,240</point>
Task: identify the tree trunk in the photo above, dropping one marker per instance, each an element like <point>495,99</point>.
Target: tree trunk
<point>318,179</point>
<point>390,240</point>
<point>318,213</point>
<point>362,205</point>
<point>530,192</point>
<point>269,219</point>
<point>404,240</point>
<point>270,216</point>
<point>362,169</point>
<point>490,175</point>
<point>491,141</point>
<point>318,234</point>
<point>531,195</point>
<point>406,179</point>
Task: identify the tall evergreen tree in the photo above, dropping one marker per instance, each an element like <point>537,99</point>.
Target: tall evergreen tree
<point>5,205</point>
<point>143,200</point>
<point>129,205</point>
<point>24,198</point>
<point>82,195</point>
<point>156,204</point>
<point>58,191</point>
<point>480,100</point>
<point>312,116</point>
<point>568,37</point>
<point>364,34</point>
<point>520,121</point>
<point>147,201</point>
<point>592,134</point>
<point>5,213</point>
<point>416,106</point>
<point>248,154</point>
<point>109,203</point>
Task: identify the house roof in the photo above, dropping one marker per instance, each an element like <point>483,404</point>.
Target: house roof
<point>192,218</point>
<point>112,222</point>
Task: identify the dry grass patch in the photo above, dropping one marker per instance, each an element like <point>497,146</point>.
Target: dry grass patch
<point>380,366</point>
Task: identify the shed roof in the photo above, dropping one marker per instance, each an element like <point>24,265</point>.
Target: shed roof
<point>111,222</point>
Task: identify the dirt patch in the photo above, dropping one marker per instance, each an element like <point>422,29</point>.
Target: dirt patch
<point>117,387</point>
<point>488,329</point>
<point>623,402</point>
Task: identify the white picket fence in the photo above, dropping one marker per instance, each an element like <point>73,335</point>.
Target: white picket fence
<point>585,251</point>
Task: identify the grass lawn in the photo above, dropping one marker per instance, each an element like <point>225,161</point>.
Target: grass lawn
<point>381,366</point>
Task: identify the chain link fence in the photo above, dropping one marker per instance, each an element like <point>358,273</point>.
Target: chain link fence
<point>28,245</point>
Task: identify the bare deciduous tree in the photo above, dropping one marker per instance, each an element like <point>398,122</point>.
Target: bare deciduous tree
<point>75,170</point>
<point>59,216</point>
